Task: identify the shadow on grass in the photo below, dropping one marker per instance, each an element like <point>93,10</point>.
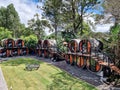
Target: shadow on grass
<point>19,61</point>
<point>64,81</point>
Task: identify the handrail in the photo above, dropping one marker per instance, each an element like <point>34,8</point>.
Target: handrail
<point>106,57</point>
<point>58,51</point>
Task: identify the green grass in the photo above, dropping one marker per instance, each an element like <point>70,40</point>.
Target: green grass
<point>47,77</point>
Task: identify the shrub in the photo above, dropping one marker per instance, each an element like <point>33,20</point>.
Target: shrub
<point>30,41</point>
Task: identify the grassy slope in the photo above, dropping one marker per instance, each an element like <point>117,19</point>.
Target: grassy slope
<point>47,77</point>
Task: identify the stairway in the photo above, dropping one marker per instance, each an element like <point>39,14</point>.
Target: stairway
<point>104,60</point>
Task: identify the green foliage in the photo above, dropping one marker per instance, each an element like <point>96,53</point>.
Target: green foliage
<point>38,26</point>
<point>67,35</point>
<point>3,17</point>
<point>30,41</point>
<point>112,41</point>
<point>51,11</point>
<point>86,28</point>
<point>51,36</point>
<point>114,32</point>
<point>112,7</point>
<point>21,31</point>
<point>12,18</point>
<point>9,19</point>
<point>73,12</point>
<point>5,33</point>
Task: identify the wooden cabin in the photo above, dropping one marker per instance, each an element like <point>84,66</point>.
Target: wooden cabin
<point>73,50</point>
<point>19,43</point>
<point>93,65</point>
<point>49,47</point>
<point>40,43</point>
<point>8,44</point>
<point>85,46</point>
<point>39,48</point>
<point>3,52</point>
<point>89,48</point>
<point>74,45</point>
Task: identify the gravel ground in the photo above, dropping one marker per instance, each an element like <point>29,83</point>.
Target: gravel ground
<point>82,74</point>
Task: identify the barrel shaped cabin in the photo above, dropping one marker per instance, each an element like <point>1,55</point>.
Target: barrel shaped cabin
<point>15,51</point>
<point>40,43</point>
<point>85,46</point>
<point>88,46</point>
<point>74,45</point>
<point>19,43</point>
<point>49,47</point>
<point>39,48</point>
<point>2,52</point>
<point>25,51</point>
<point>93,65</point>
<point>8,44</point>
<point>74,48</point>
<point>96,44</point>
<point>81,61</point>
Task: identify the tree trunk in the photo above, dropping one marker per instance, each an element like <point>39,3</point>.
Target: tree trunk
<point>81,19</point>
<point>55,26</point>
<point>73,16</point>
<point>81,28</point>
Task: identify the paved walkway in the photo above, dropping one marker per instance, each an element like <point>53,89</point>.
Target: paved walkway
<point>3,85</point>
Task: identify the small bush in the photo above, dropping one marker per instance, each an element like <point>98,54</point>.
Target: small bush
<point>31,41</point>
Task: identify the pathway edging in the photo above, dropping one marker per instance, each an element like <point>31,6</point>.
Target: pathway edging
<point>3,85</point>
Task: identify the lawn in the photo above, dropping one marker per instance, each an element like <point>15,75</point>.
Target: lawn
<point>47,77</point>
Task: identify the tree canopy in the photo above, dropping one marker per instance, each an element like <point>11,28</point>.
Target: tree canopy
<point>38,26</point>
<point>5,33</point>
<point>9,19</point>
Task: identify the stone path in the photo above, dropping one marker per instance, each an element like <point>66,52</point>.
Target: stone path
<point>3,85</point>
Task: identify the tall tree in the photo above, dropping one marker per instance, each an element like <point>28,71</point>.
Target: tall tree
<point>74,12</point>
<point>51,10</point>
<point>112,7</point>
<point>21,31</point>
<point>12,18</point>
<point>9,19</point>
<point>3,17</point>
<point>38,26</point>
